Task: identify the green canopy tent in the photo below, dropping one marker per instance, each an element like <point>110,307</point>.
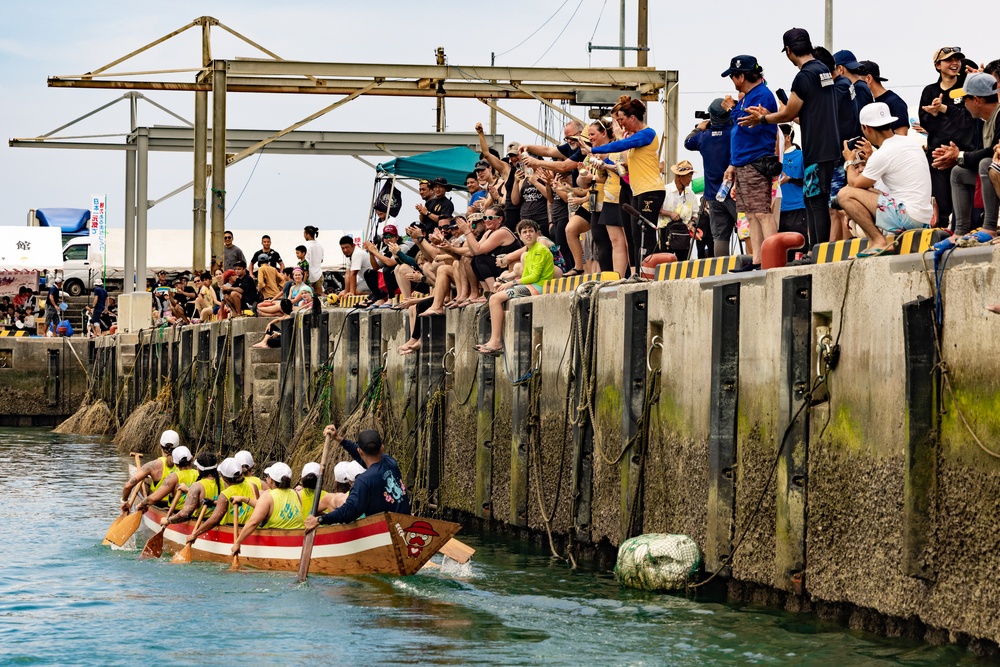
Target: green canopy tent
<point>452,164</point>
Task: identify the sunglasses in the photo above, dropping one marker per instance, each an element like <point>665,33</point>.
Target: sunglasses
<point>492,217</point>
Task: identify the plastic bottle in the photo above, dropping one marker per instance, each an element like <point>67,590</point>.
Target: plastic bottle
<point>723,192</point>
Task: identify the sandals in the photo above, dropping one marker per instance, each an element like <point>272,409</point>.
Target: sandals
<point>876,252</point>
<point>488,351</point>
<point>573,272</point>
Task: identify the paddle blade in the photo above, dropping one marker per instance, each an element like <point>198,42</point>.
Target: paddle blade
<point>182,556</point>
<point>153,548</point>
<point>236,563</point>
<point>105,542</point>
<point>120,533</point>
<point>118,520</point>
<point>457,551</point>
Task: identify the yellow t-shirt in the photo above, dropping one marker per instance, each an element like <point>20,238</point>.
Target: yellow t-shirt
<point>286,511</point>
<point>245,489</point>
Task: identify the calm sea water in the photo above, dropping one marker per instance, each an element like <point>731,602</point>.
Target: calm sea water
<point>66,600</point>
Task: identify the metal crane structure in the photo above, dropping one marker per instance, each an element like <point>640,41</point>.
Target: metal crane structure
<point>490,85</point>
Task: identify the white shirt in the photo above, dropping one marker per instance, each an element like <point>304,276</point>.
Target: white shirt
<point>683,204</point>
<point>902,168</point>
<point>314,255</point>
<point>360,262</point>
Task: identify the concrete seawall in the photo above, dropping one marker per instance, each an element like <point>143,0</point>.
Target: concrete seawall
<point>688,406</point>
<point>42,381</point>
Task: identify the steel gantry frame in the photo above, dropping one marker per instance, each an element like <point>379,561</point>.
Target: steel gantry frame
<point>584,86</point>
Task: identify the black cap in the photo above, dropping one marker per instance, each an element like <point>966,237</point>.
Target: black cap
<point>794,37</point>
<point>442,182</point>
<point>482,164</point>
<point>872,68</point>
<point>742,64</point>
<point>369,439</point>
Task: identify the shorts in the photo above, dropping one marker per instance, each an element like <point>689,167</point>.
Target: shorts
<point>583,213</point>
<point>611,215</point>
<point>793,221</point>
<point>95,317</point>
<point>753,190</point>
<point>891,216</point>
<point>723,218</point>
<point>837,183</point>
<point>518,291</point>
<point>485,266</point>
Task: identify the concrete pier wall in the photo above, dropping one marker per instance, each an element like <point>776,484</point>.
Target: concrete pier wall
<point>666,412</point>
<point>42,381</point>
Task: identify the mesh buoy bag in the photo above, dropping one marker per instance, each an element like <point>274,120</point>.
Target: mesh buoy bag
<point>657,562</point>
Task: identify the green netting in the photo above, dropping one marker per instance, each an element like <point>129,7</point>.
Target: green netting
<point>657,562</point>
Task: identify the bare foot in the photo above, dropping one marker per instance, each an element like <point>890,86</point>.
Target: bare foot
<point>994,308</point>
<point>429,312</point>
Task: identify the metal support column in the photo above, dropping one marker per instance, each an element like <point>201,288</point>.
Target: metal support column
<point>793,462</point>
<point>923,382</point>
<point>633,395</point>
<point>218,157</point>
<point>722,427</point>
<point>129,283</point>
<point>201,158</point>
<point>142,206</point>
<point>520,409</point>
<point>485,414</point>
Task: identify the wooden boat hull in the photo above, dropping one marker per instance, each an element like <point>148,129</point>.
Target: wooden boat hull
<point>386,543</point>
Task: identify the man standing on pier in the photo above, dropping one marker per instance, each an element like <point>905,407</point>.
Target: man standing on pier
<point>52,306</point>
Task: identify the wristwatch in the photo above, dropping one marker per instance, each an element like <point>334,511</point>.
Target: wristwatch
<point>961,158</point>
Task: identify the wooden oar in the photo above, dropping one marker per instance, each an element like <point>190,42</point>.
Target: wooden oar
<point>154,545</point>
<point>310,537</point>
<point>184,555</point>
<point>131,500</point>
<point>457,551</point>
<point>236,530</point>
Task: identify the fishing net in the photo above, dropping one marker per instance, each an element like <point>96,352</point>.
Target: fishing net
<point>141,431</point>
<point>657,562</point>
<point>91,419</point>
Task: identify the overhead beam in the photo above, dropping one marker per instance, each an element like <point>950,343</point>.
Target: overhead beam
<point>520,122</point>
<point>467,90</point>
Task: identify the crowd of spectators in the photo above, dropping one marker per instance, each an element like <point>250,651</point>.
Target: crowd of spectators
<point>865,167</point>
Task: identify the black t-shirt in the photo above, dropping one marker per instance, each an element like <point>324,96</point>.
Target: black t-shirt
<point>53,296</point>
<point>249,287</point>
<point>534,206</point>
<point>511,213</point>
<point>272,253</point>
<point>818,116</point>
<point>956,124</point>
<point>897,107</point>
<point>848,125</point>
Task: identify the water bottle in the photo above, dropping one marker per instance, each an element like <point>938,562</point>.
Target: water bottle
<point>723,192</point>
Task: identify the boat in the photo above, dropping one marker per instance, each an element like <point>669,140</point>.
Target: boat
<point>386,543</point>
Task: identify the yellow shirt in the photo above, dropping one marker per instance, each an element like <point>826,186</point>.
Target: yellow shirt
<point>245,489</point>
<point>166,473</point>
<point>307,499</point>
<point>613,184</point>
<point>286,511</point>
<point>644,168</point>
<point>187,478</point>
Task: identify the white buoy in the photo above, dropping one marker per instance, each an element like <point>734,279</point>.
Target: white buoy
<point>657,562</point>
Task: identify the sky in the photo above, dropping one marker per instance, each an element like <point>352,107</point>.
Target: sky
<point>58,37</point>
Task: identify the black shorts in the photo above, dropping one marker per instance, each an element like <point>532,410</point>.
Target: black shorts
<point>611,215</point>
<point>485,266</point>
<point>582,213</point>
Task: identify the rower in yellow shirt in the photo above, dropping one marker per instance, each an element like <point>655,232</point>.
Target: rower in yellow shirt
<point>307,490</point>
<point>245,459</point>
<point>234,486</point>
<point>204,491</point>
<point>176,482</point>
<point>154,471</point>
<point>278,507</point>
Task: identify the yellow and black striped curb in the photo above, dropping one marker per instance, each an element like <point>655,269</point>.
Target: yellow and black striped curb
<point>697,268</point>
<point>557,285</point>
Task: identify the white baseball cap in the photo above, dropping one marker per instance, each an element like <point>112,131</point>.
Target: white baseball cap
<point>347,471</point>
<point>169,439</point>
<point>278,471</point>
<point>244,458</point>
<point>230,468</point>
<point>876,114</point>
<point>311,468</point>
<point>181,453</point>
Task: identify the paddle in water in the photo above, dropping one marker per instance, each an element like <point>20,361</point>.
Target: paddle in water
<point>154,545</point>
<point>131,501</point>
<point>236,529</point>
<point>310,537</point>
<point>184,555</point>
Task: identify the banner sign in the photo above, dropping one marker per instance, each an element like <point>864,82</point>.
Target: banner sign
<point>98,222</point>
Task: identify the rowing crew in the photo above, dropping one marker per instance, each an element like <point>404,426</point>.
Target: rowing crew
<point>369,484</point>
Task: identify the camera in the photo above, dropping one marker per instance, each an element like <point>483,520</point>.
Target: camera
<point>852,144</point>
<point>702,115</point>
<point>781,95</point>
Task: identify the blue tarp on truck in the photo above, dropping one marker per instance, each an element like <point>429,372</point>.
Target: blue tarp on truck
<point>72,221</point>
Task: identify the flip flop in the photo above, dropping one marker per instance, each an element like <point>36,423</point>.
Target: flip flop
<point>488,351</point>
<point>875,252</point>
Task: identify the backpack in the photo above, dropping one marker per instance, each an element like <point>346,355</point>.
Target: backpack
<point>676,237</point>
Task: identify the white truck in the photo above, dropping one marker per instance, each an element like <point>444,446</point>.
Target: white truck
<point>171,250</point>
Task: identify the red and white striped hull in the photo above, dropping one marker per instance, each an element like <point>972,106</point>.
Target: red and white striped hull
<point>380,544</point>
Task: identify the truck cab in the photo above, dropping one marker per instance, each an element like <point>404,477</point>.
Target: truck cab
<point>77,274</point>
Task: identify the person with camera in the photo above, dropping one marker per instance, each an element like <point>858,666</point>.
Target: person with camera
<point>711,138</point>
<point>753,164</point>
<point>900,166</point>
